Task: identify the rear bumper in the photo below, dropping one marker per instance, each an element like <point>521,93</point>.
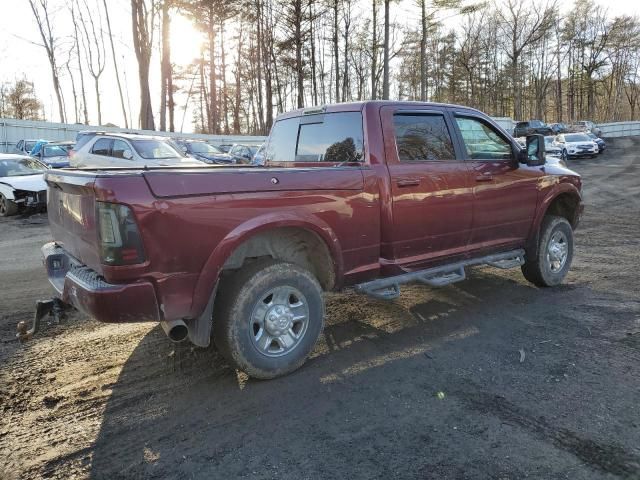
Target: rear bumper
<point>86,290</point>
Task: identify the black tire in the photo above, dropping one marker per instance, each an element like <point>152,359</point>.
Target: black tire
<point>7,207</point>
<point>542,270</point>
<point>564,155</point>
<point>243,294</point>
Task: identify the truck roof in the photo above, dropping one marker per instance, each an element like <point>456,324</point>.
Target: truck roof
<point>359,106</point>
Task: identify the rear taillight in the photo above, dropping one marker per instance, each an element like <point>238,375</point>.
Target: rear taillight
<point>120,241</point>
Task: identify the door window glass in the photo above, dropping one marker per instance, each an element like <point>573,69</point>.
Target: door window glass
<point>102,146</point>
<point>482,141</point>
<point>423,137</point>
<point>118,148</point>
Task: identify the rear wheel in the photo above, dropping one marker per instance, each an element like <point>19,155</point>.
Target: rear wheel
<point>555,253</point>
<point>7,207</point>
<point>268,317</point>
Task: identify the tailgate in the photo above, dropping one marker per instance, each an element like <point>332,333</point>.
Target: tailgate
<point>72,215</point>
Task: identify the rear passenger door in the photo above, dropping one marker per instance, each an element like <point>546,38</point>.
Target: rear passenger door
<point>505,192</point>
<point>431,189</point>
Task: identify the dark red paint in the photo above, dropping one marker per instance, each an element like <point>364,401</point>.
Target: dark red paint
<point>381,218</point>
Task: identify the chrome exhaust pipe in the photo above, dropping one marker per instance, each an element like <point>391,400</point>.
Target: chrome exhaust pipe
<point>176,330</point>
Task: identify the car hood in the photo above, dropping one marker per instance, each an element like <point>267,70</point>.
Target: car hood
<point>32,183</point>
<point>575,144</point>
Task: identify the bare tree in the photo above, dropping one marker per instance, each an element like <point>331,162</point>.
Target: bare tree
<point>115,65</point>
<point>42,14</point>
<point>143,15</point>
<point>94,47</point>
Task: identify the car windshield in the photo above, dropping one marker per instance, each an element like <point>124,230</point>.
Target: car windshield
<point>549,140</point>
<point>578,137</point>
<point>154,149</point>
<point>201,147</point>
<point>592,135</point>
<point>253,149</point>
<point>53,151</point>
<point>18,168</point>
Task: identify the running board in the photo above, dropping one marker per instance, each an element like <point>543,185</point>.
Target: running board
<point>389,288</point>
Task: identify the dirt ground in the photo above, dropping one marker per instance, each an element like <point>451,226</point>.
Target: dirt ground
<point>488,378</point>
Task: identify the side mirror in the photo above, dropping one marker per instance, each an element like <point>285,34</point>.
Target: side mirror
<point>535,150</point>
<point>127,154</point>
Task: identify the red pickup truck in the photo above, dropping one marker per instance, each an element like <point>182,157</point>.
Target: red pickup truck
<point>371,195</point>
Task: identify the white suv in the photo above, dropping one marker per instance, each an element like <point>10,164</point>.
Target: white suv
<point>128,150</point>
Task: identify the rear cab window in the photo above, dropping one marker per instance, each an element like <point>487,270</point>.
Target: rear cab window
<point>328,138</point>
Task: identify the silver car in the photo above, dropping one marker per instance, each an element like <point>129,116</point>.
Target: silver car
<point>129,150</point>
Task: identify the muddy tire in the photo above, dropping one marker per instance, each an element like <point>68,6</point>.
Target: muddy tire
<point>555,253</point>
<point>268,317</point>
<point>7,207</point>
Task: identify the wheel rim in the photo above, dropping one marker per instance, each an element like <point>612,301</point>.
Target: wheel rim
<point>557,251</point>
<point>279,321</point>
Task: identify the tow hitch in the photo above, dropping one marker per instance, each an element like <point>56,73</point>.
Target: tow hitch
<point>53,307</point>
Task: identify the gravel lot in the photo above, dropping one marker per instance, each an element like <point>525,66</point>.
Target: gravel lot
<point>489,378</point>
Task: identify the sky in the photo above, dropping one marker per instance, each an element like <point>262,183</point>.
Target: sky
<point>20,56</point>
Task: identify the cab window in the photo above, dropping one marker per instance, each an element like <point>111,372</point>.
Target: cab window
<point>482,141</point>
<point>102,147</point>
<point>422,138</point>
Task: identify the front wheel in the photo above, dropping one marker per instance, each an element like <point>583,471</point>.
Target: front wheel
<point>564,155</point>
<point>7,207</point>
<point>555,253</point>
<point>268,317</point>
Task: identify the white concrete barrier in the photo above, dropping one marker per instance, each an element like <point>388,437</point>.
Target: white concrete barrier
<point>12,131</point>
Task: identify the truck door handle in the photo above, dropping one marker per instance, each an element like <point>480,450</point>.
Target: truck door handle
<point>408,182</point>
<point>487,177</point>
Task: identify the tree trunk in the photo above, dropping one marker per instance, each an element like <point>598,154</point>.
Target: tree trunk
<point>213,108</point>
<point>115,66</point>
<point>423,51</point>
<point>385,76</point>
<point>165,65</point>
<point>336,49</point>
<point>143,54</point>
<point>223,95</point>
<point>374,51</point>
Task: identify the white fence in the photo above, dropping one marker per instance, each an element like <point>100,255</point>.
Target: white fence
<point>620,129</point>
<point>12,131</point>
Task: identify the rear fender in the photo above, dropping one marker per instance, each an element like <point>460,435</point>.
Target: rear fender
<point>210,273</point>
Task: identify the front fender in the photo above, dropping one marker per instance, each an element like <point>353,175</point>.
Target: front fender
<point>210,273</point>
<point>7,191</point>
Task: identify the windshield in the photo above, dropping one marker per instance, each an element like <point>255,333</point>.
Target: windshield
<point>53,151</point>
<point>18,168</point>
<point>154,149</point>
<point>201,147</point>
<point>579,137</point>
<point>28,145</point>
<point>549,140</point>
<point>253,150</point>
<point>592,135</point>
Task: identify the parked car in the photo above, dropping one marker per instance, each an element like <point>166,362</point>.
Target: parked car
<point>576,145</point>
<point>554,149</point>
<point>22,184</point>
<point>258,158</point>
<point>24,147</point>
<point>558,128</point>
<point>586,126</point>
<point>53,155</point>
<point>225,147</point>
<point>128,150</point>
<point>243,153</point>
<point>531,127</point>
<point>202,151</point>
<point>601,143</point>
<point>340,202</point>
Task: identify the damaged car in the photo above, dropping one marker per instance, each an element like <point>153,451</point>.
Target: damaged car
<point>22,184</point>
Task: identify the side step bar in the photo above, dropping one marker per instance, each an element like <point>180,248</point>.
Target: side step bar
<point>389,288</point>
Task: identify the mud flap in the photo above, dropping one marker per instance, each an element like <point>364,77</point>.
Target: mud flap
<point>200,328</point>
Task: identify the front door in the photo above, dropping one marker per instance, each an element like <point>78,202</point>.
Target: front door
<point>505,193</point>
<point>431,189</point>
